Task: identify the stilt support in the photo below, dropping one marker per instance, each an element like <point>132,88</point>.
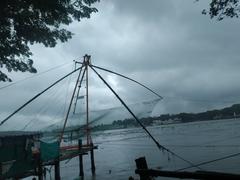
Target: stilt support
<point>81,173</point>
<point>57,170</point>
<point>40,170</point>
<point>92,161</point>
<point>141,163</point>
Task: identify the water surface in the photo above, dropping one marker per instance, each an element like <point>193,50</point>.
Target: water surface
<point>197,142</point>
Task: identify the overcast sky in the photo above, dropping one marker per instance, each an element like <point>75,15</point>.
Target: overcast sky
<point>168,45</point>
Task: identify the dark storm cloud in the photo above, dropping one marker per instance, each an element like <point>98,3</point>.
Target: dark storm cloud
<point>150,10</point>
<point>190,59</point>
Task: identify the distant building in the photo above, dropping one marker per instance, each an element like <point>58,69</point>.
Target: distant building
<point>167,121</point>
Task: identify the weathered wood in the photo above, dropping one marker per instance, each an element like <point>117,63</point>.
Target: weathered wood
<point>0,170</point>
<point>141,163</point>
<point>93,168</point>
<point>40,170</point>
<point>81,172</point>
<point>65,154</point>
<point>57,170</point>
<point>188,175</point>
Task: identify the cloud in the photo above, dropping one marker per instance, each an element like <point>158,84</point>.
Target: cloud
<point>188,58</point>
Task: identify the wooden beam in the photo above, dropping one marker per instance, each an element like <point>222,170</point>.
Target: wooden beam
<point>188,175</point>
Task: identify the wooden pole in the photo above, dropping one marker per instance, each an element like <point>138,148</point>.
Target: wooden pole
<point>78,91</point>
<point>87,105</point>
<point>81,172</point>
<point>92,160</point>
<point>141,163</point>
<point>0,170</point>
<point>57,170</point>
<point>69,107</point>
<point>40,170</point>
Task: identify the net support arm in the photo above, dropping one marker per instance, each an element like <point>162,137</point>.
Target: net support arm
<point>128,79</point>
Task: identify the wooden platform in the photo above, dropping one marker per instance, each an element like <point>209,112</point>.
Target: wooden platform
<point>69,152</point>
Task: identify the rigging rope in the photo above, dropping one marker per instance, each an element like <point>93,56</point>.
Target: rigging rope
<point>36,96</point>
<point>128,79</point>
<point>66,97</point>
<point>104,69</point>
<point>38,74</point>
<point>52,98</point>
<point>160,147</point>
<point>211,161</point>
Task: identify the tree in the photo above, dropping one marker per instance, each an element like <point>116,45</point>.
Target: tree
<point>25,22</point>
<point>223,8</point>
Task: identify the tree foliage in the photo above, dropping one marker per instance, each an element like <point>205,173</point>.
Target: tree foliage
<point>223,8</point>
<point>25,22</point>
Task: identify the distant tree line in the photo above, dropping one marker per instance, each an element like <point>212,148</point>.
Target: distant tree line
<point>225,113</point>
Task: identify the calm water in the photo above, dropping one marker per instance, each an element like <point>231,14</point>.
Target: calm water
<point>196,142</point>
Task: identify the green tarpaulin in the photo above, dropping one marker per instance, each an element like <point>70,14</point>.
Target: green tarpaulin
<point>49,151</point>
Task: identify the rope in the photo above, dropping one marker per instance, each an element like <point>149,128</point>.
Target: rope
<point>66,96</point>
<point>36,96</point>
<point>53,98</point>
<point>30,77</point>
<point>128,79</point>
<point>125,78</point>
<point>160,147</point>
<point>211,161</point>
